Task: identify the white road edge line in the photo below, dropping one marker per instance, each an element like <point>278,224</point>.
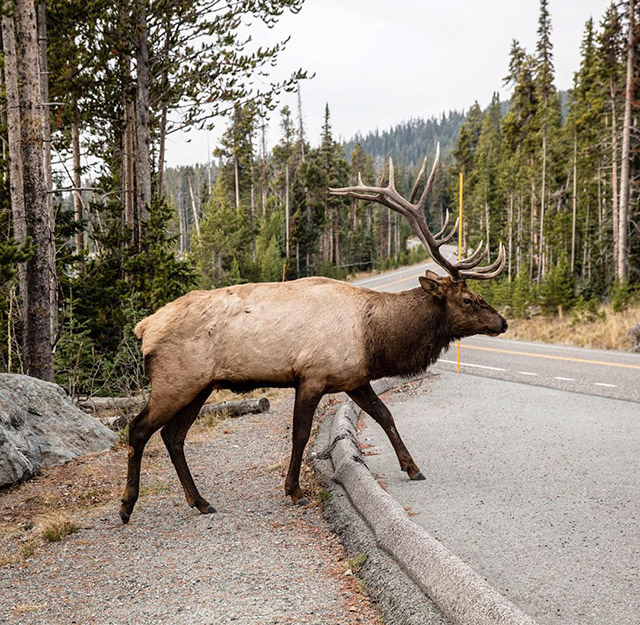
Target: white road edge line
<point>526,373</point>
<point>564,379</point>
<point>466,364</point>
<point>604,384</point>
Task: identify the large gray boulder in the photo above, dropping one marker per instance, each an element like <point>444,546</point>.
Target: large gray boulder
<point>40,427</point>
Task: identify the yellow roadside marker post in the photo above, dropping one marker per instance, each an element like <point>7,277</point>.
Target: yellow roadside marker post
<point>460,247</point>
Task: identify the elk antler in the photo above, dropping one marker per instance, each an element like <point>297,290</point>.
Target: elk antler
<point>388,196</point>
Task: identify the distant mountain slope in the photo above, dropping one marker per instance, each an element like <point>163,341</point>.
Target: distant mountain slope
<point>409,141</point>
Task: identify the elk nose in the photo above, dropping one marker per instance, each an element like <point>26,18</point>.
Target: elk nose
<point>505,325</point>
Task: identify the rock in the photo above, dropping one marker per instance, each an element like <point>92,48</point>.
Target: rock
<point>40,427</point>
<point>533,311</point>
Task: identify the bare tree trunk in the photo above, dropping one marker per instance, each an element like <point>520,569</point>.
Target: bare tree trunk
<point>236,176</point>
<point>254,251</point>
<point>623,222</point>
<point>487,219</point>
<point>574,202</point>
<point>389,226</point>
<point>129,167</point>
<point>336,231</point>
<point>543,202</point>
<point>196,221</point>
<point>510,243</point>
<point>142,110</point>
<point>46,159</point>
<point>77,178</point>
<point>614,173</point>
<point>163,120</point>
<point>286,208</point>
<point>300,125</point>
<point>263,164</point>
<point>39,268</point>
<point>18,213</point>
<point>161,151</point>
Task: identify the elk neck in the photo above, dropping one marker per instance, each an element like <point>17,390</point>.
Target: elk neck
<point>404,332</point>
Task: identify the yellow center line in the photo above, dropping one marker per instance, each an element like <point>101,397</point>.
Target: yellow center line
<point>566,358</point>
<point>381,286</point>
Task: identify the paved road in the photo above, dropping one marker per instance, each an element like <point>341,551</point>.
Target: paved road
<point>596,372</point>
<point>535,488</point>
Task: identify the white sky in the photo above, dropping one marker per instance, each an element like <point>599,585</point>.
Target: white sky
<point>380,62</point>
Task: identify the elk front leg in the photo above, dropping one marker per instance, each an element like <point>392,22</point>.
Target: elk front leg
<point>303,411</point>
<point>367,399</point>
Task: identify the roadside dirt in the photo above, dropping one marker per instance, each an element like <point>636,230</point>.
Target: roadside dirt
<point>258,560</point>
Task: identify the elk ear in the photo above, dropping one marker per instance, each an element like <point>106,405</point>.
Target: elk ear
<point>431,286</point>
<point>432,275</point>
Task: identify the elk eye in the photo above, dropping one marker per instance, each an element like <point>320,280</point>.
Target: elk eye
<point>467,300</point>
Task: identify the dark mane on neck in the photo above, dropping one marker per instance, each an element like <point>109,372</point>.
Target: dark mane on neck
<point>404,332</point>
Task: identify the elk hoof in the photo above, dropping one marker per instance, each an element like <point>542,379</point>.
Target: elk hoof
<point>209,510</point>
<point>417,476</point>
<point>303,501</point>
<point>124,517</point>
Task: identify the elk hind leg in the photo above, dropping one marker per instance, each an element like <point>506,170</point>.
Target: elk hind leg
<point>173,435</point>
<point>305,406</point>
<point>366,398</point>
<point>141,428</point>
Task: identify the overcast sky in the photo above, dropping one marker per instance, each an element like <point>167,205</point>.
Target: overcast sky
<point>380,62</point>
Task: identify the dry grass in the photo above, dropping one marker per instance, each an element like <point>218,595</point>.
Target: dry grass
<point>612,332</point>
<point>56,526</point>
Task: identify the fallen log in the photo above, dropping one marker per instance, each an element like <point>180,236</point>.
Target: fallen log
<point>237,408</point>
<point>93,404</point>
<point>229,408</point>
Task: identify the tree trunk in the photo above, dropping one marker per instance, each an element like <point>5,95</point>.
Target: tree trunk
<point>39,267</point>
<point>142,111</point>
<point>163,119</point>
<point>77,178</point>
<point>623,221</point>
<point>543,202</point>
<point>46,160</point>
<point>129,167</point>
<point>194,208</point>
<point>236,177</point>
<point>574,202</point>
<point>18,214</point>
<point>614,172</point>
<point>286,208</point>
<point>510,243</point>
<point>161,151</point>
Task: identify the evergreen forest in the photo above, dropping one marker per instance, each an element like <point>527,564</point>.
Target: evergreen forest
<point>86,252</point>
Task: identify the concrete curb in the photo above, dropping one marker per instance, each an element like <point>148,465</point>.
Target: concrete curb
<point>458,591</point>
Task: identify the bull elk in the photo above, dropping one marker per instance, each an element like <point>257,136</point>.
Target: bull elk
<point>316,335</point>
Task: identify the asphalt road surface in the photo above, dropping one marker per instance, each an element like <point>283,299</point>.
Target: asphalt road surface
<point>535,488</point>
<point>591,371</point>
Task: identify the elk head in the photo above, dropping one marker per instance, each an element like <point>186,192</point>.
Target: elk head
<point>468,313</point>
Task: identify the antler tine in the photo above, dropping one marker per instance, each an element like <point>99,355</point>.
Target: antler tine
<point>444,226</point>
<point>440,240</point>
<point>427,187</point>
<point>416,185</point>
<point>471,261</point>
<point>360,183</point>
<point>490,271</point>
<point>392,175</point>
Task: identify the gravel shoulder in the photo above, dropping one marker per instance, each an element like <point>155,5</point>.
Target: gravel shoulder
<point>259,560</point>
